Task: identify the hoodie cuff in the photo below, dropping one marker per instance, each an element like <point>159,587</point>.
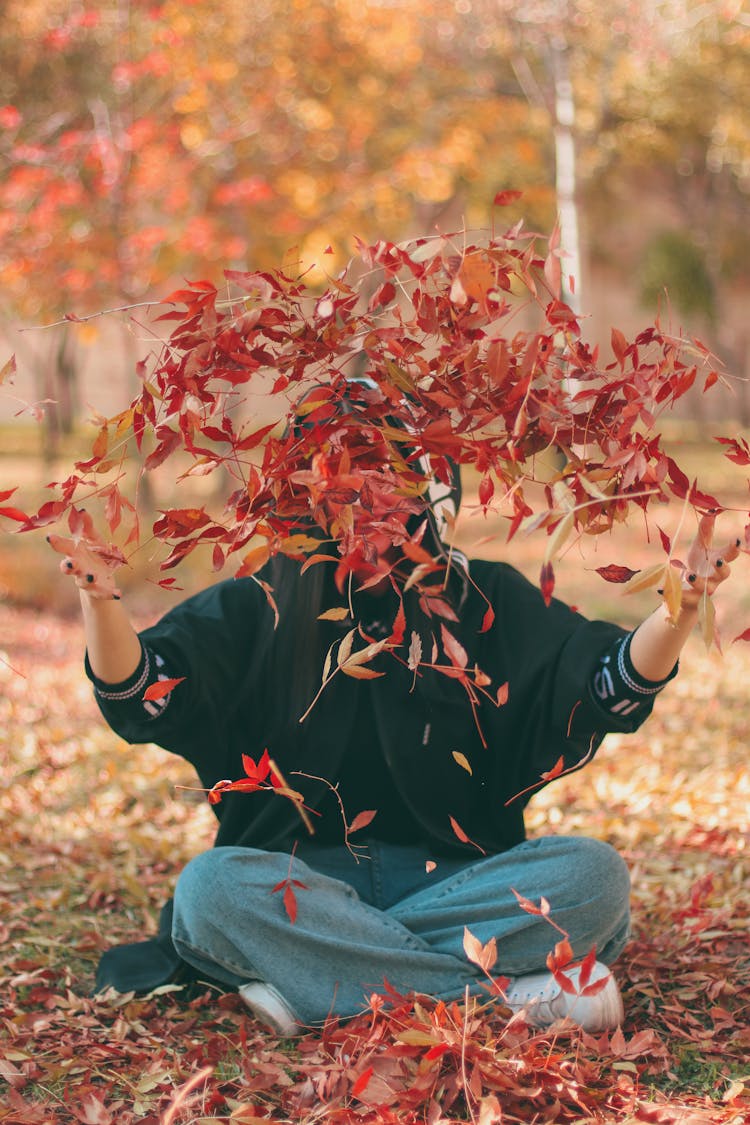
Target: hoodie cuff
<point>132,688</point>
<point>616,685</point>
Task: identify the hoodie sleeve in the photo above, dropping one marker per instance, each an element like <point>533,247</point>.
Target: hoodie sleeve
<point>207,644</point>
<point>550,656</point>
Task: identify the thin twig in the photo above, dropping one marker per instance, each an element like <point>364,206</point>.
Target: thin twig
<point>90,316</point>
<point>300,807</point>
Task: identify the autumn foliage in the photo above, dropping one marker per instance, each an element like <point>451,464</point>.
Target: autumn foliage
<point>470,355</point>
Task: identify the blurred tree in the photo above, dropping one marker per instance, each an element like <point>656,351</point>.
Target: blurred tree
<point>145,142</point>
<point>677,133</point>
<point>673,262</point>
<point>141,143</point>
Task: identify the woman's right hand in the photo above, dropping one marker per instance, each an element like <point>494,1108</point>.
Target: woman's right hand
<point>90,564</point>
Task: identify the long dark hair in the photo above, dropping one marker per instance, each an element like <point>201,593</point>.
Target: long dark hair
<point>293,661</point>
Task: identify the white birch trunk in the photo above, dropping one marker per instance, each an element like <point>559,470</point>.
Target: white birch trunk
<point>565,177</point>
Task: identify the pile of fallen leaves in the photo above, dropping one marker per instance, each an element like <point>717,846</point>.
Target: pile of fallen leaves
<point>95,832</point>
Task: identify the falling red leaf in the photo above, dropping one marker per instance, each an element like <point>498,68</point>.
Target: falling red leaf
<point>362,819</point>
<point>458,830</point>
<point>547,582</point>
<point>587,966</point>
<point>530,908</point>
<point>290,903</point>
<point>454,650</point>
<point>556,770</point>
<point>488,620</point>
<point>666,542</point>
<point>161,688</point>
<point>503,198</point>
<point>486,489</point>
<point>14,514</point>
<point>615,573</point>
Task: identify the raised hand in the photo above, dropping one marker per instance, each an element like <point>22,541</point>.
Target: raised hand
<point>90,562</point>
<point>707,566</point>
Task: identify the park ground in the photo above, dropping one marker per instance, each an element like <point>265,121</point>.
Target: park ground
<point>94,834</point>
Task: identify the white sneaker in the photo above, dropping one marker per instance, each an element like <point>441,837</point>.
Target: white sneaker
<point>269,1006</point>
<point>543,1001</point>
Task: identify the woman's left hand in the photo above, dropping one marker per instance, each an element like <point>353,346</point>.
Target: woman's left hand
<point>707,566</point>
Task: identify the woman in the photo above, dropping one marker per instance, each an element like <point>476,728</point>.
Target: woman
<point>291,907</point>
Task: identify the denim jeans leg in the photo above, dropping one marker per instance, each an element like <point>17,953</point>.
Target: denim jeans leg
<point>585,882</point>
<point>229,924</point>
<point>405,925</point>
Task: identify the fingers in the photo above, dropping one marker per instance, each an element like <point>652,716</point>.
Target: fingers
<point>731,550</point>
<point>97,585</point>
<point>697,587</point>
<point>89,571</point>
<point>703,558</point>
<point>62,544</point>
<point>706,530</point>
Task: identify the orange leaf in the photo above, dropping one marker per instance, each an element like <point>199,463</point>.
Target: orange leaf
<point>462,835</point>
<point>556,770</point>
<point>362,819</point>
<point>459,831</point>
<point>254,560</point>
<point>483,955</point>
<point>339,613</point>
<point>357,672</point>
<point>527,905</point>
<point>560,957</point>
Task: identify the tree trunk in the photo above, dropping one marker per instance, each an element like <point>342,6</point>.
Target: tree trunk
<point>565,175</point>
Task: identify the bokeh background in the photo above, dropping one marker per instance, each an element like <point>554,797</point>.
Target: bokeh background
<point>146,143</point>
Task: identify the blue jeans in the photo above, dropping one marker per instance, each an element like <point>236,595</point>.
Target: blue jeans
<point>386,916</point>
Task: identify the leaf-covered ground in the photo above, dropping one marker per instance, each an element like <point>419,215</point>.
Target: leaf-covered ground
<point>94,833</point>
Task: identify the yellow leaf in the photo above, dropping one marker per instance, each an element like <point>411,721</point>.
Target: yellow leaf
<point>593,490</point>
<point>328,662</point>
<point>463,761</point>
<point>339,613</point>
<point>366,654</point>
<point>299,544</point>
<point>651,576</point>
<point>673,593</point>
<point>124,422</point>
<point>345,647</point>
<point>415,1038</point>
<point>707,621</point>
<point>559,537</point>
<point>357,672</point>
